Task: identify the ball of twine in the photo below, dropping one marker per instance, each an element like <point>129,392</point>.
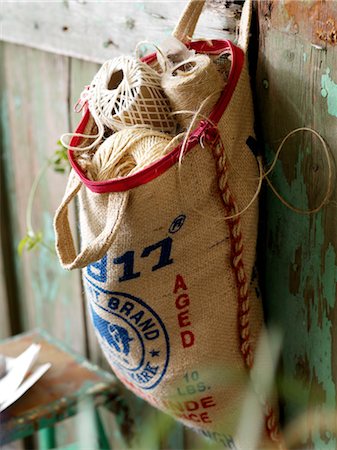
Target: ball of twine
<point>126,152</point>
<point>126,92</point>
<point>191,83</point>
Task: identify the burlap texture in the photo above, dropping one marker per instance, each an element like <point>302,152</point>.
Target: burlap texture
<point>164,298</point>
<point>164,294</point>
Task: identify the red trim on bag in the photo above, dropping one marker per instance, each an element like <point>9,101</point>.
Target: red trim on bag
<point>157,168</point>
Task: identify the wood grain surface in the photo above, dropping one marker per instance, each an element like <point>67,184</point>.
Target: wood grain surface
<point>36,114</point>
<point>96,31</point>
<point>296,84</point>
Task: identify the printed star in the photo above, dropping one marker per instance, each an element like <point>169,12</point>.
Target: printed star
<point>154,353</point>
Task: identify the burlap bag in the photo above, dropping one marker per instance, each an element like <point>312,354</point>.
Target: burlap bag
<point>167,278</point>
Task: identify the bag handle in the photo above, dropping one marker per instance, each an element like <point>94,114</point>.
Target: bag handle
<point>96,248</point>
<point>188,20</point>
<point>190,16</point>
<point>244,27</point>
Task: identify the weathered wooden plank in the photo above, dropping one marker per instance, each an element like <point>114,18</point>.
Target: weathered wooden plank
<point>81,74</point>
<point>297,75</point>
<point>5,248</point>
<point>35,114</point>
<point>60,393</point>
<point>97,31</point>
<point>4,314</point>
<point>9,225</point>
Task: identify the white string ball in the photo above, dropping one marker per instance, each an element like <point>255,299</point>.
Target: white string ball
<point>126,152</point>
<point>125,92</point>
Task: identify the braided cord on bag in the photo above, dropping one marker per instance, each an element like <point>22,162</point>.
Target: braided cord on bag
<point>242,281</point>
<point>236,253</point>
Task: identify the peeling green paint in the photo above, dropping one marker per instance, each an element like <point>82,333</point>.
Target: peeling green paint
<point>329,276</point>
<point>329,91</point>
<point>306,283</point>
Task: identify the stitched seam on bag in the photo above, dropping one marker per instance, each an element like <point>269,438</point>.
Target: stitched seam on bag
<point>242,283</point>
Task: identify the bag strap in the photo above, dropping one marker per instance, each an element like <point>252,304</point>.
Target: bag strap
<point>190,16</point>
<point>188,20</point>
<point>245,22</point>
<point>96,248</point>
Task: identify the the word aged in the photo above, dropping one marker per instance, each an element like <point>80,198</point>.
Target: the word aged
<point>182,304</point>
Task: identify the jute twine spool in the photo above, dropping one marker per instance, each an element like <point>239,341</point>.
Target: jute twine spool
<point>126,152</point>
<point>189,84</point>
<point>126,91</point>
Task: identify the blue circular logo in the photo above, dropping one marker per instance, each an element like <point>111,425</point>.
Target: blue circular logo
<point>131,334</point>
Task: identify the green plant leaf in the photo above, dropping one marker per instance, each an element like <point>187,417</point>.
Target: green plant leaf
<point>30,241</point>
<point>59,160</point>
<point>60,164</point>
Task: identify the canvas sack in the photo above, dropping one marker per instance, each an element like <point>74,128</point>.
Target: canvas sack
<point>167,278</point>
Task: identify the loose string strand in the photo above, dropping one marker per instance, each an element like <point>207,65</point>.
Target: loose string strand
<point>163,63</point>
<point>98,137</point>
<point>329,188</point>
<point>263,174</point>
<point>196,115</point>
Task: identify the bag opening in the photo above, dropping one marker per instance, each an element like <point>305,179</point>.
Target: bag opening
<point>157,168</point>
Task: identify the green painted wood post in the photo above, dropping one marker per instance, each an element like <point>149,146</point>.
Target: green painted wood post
<point>47,438</point>
<point>297,87</point>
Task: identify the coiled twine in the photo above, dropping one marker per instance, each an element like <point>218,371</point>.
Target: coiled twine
<point>126,92</point>
<point>126,152</point>
<point>193,83</point>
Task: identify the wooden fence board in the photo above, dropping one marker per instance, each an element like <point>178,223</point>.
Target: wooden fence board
<point>4,313</point>
<point>297,87</point>
<point>81,74</point>
<point>36,85</point>
<point>6,263</point>
<point>16,305</point>
<point>97,31</point>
